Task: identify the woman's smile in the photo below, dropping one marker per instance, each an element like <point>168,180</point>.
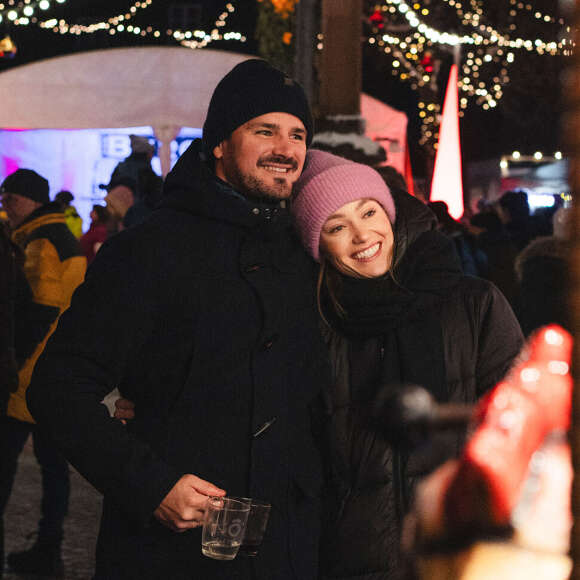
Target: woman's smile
<point>368,254</point>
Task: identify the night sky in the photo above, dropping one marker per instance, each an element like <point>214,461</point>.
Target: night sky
<point>526,120</point>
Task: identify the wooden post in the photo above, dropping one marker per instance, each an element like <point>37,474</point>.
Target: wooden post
<point>339,125</point>
<point>340,73</point>
<point>571,125</point>
<point>305,34</point>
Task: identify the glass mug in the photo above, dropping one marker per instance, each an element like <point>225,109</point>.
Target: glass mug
<point>255,526</point>
<point>224,526</point>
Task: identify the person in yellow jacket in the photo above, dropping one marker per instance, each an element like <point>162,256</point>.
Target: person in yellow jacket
<point>53,266</point>
<point>73,220</point>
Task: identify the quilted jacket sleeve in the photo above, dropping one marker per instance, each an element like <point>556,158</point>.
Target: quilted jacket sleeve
<point>500,340</point>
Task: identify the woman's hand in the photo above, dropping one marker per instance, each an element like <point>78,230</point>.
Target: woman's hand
<point>124,410</point>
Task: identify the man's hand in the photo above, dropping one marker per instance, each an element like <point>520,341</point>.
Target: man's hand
<point>124,410</point>
<point>184,506</point>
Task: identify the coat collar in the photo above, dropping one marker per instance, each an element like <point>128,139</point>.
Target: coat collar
<point>192,187</point>
<point>49,213</point>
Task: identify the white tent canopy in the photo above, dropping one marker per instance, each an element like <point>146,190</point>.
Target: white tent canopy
<point>163,87</point>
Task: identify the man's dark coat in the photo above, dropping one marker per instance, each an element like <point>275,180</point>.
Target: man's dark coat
<point>205,317</point>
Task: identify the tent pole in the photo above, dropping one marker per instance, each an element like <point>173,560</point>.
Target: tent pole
<point>166,134</point>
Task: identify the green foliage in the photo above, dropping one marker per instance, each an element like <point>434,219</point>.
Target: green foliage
<point>272,29</point>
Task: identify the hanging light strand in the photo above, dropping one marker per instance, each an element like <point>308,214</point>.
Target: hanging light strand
<point>487,55</point>
<point>518,6</point>
<point>200,39</point>
<point>23,11</point>
<point>491,37</point>
<point>475,16</point>
<point>114,22</point>
<point>121,24</point>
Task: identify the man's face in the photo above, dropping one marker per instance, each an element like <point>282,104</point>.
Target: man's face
<point>263,157</point>
<point>17,208</point>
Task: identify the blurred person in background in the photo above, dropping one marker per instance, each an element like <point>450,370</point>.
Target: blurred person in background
<point>513,210</point>
<point>54,266</point>
<point>473,259</point>
<point>97,232</point>
<point>149,192</point>
<point>136,172</point>
<point>544,278</point>
<point>73,219</point>
<point>500,250</point>
<point>138,163</point>
<point>121,195</point>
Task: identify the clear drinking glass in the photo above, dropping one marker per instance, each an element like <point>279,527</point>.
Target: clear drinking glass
<point>255,526</point>
<point>224,526</point>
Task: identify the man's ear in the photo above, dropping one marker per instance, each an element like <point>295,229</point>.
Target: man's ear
<point>218,152</point>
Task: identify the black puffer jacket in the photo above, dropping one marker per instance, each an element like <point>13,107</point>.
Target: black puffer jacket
<point>205,317</point>
<point>453,334</point>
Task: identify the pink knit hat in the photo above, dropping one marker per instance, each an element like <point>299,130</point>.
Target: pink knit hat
<point>327,183</point>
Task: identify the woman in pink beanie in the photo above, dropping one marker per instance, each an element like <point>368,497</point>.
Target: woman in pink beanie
<point>396,310</point>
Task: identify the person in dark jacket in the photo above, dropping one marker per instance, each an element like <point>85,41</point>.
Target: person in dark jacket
<point>397,310</point>
<point>514,211</point>
<point>205,316</point>
<point>544,278</point>
<point>473,259</point>
<point>8,289</point>
<point>500,250</point>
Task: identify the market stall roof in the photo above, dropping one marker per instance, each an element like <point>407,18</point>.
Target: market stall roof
<point>119,87</point>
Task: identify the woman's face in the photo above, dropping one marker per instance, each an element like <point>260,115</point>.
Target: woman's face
<point>359,237</point>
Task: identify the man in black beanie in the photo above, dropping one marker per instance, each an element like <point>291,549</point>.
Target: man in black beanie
<point>204,316</point>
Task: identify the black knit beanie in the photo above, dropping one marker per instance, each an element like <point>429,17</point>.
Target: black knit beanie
<point>252,88</point>
<point>27,183</point>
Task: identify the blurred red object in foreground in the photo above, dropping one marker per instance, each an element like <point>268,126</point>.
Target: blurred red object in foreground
<point>515,472</point>
<point>511,424</point>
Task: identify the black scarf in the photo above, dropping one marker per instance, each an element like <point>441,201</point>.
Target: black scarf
<point>422,278</point>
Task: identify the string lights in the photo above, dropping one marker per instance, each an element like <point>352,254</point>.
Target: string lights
<point>519,6</point>
<point>487,53</point>
<point>22,13</point>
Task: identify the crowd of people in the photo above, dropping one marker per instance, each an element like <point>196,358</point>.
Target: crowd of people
<point>251,310</point>
<point>523,253</point>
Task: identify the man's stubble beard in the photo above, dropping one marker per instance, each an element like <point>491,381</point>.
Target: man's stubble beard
<point>256,188</point>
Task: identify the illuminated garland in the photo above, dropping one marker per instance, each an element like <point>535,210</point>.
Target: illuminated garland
<point>495,38</point>
<point>120,23</point>
<point>485,47</point>
<point>24,9</point>
<point>520,6</point>
<point>114,22</point>
<point>474,16</point>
